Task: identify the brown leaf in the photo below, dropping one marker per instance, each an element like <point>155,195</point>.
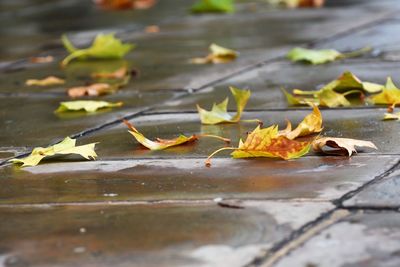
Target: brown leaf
<point>118,74</point>
<point>152,29</point>
<point>95,89</point>
<point>46,59</point>
<point>51,80</point>
<point>340,145</point>
<point>125,4</point>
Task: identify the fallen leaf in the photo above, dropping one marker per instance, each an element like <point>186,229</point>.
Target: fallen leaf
<point>218,55</point>
<point>95,89</point>
<point>266,143</point>
<point>313,56</point>
<point>391,116</point>
<point>104,46</point>
<point>218,6</point>
<point>311,124</point>
<point>390,94</point>
<point>118,74</point>
<point>51,80</point>
<point>67,146</point>
<point>219,113</point>
<point>340,145</point>
<point>152,29</point>
<point>86,105</point>
<point>161,144</point>
<point>125,4</point>
<point>298,3</point>
<point>45,59</point>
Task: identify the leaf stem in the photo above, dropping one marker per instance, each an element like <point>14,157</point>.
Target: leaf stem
<point>208,160</point>
<point>357,53</point>
<point>226,140</point>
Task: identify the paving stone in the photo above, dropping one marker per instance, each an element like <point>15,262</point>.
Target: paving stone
<point>36,124</point>
<point>313,178</point>
<point>116,142</point>
<point>364,239</point>
<point>266,82</point>
<point>167,235</point>
<point>384,193</point>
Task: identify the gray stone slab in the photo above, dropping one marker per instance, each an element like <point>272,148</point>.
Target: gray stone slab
<point>311,178</point>
<point>156,235</point>
<point>28,121</point>
<point>266,82</point>
<point>384,193</point>
<point>364,124</point>
<point>363,239</point>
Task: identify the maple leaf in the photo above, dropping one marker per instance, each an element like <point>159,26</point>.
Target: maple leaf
<point>340,145</point>
<point>104,46</point>
<point>86,105</point>
<point>67,146</point>
<point>95,89</point>
<point>161,144</point>
<point>389,95</point>
<point>219,113</point>
<point>334,93</point>
<point>266,143</point>
<point>218,55</point>
<point>322,56</point>
<point>51,80</point>
<point>222,6</point>
<point>311,124</point>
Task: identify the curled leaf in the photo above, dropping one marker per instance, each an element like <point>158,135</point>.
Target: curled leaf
<point>104,46</point>
<point>51,80</point>
<point>117,74</point>
<point>91,90</point>
<point>45,59</point>
<point>86,105</point>
<point>266,143</point>
<point>218,55</point>
<point>221,6</point>
<point>390,94</point>
<point>340,145</point>
<point>67,146</point>
<point>125,4</point>
<point>219,113</point>
<point>298,3</point>
<point>311,124</point>
<point>161,144</point>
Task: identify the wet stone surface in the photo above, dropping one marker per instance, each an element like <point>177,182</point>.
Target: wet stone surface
<point>314,178</point>
<point>363,239</point>
<point>168,235</point>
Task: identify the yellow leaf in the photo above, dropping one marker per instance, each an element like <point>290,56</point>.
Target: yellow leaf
<point>67,146</point>
<point>51,80</point>
<point>340,145</point>
<point>390,94</point>
<point>219,113</point>
<point>311,124</point>
<point>117,74</point>
<point>218,55</point>
<point>391,116</point>
<point>86,105</point>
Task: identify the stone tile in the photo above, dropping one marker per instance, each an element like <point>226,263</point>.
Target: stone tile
<point>312,178</point>
<point>384,193</point>
<point>119,235</point>
<point>363,239</point>
<point>116,142</point>
<point>36,124</point>
<point>266,82</point>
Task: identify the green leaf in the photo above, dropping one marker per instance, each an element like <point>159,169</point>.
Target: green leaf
<point>67,146</point>
<point>219,113</point>
<point>313,56</point>
<point>390,94</point>
<point>87,105</point>
<point>104,46</point>
<point>219,6</point>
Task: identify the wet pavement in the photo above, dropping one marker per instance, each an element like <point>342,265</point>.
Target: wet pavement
<point>135,207</point>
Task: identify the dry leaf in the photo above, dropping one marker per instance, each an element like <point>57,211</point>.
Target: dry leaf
<point>91,90</point>
<point>219,113</point>
<point>298,3</point>
<point>125,4</point>
<point>161,144</point>
<point>51,80</point>
<point>118,74</point>
<point>390,116</point>
<point>340,145</point>
<point>218,55</point>
<point>266,143</point>
<point>46,59</point>
<point>152,29</point>
<point>311,124</point>
<point>390,94</point>
<point>67,146</point>
<point>86,105</point>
